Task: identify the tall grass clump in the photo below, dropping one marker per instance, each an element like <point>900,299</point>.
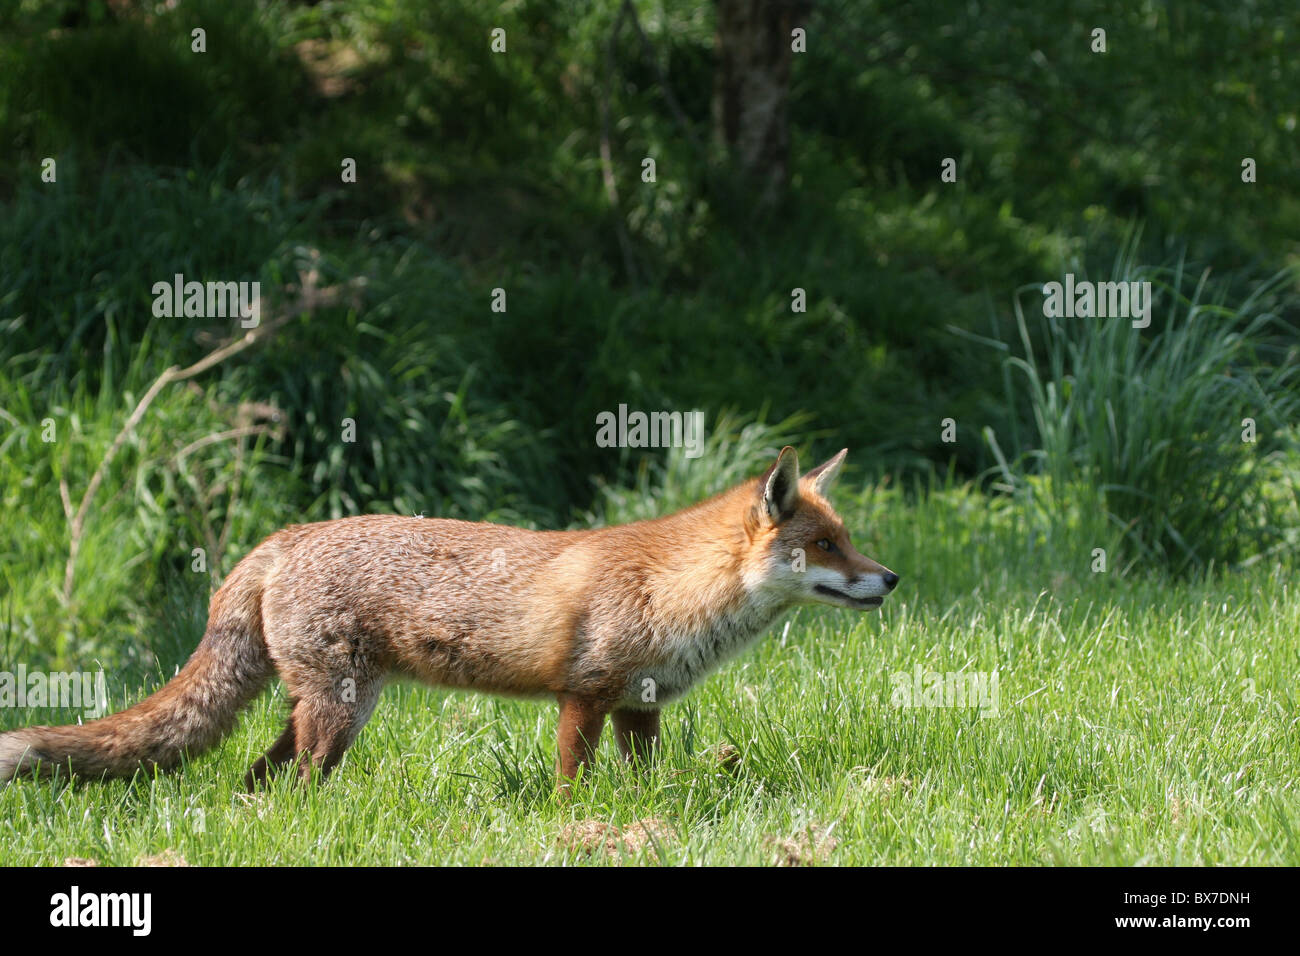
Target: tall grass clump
<point>1174,443</point>
<point>732,450</point>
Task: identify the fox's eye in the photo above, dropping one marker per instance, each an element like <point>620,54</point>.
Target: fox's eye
<point>825,544</point>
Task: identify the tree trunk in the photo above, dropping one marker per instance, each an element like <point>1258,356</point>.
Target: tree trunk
<point>752,88</point>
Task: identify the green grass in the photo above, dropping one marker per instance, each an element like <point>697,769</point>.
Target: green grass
<point>1146,431</point>
<point>1141,721</point>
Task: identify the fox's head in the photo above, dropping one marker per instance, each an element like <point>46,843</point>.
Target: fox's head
<point>801,549</point>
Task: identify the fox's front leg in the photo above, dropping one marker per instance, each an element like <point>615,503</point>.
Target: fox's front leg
<point>581,721</point>
<point>637,732</point>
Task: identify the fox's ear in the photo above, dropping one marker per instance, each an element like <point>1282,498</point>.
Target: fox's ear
<point>824,475</point>
<point>779,487</point>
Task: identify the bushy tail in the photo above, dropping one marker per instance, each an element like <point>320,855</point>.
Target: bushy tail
<point>191,713</point>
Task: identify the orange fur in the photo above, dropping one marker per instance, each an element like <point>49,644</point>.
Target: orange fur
<point>613,620</point>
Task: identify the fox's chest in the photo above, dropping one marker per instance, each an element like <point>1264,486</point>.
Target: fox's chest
<point>682,657</point>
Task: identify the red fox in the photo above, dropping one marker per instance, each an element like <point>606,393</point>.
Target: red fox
<point>611,621</point>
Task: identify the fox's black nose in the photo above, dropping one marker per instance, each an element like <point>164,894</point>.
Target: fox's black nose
<point>890,578</point>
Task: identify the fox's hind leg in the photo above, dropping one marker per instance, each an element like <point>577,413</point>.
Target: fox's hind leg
<point>637,732</point>
<point>326,724</point>
<point>280,753</point>
<point>333,668</point>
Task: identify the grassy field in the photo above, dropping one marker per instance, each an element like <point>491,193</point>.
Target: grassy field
<point>1137,721</point>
